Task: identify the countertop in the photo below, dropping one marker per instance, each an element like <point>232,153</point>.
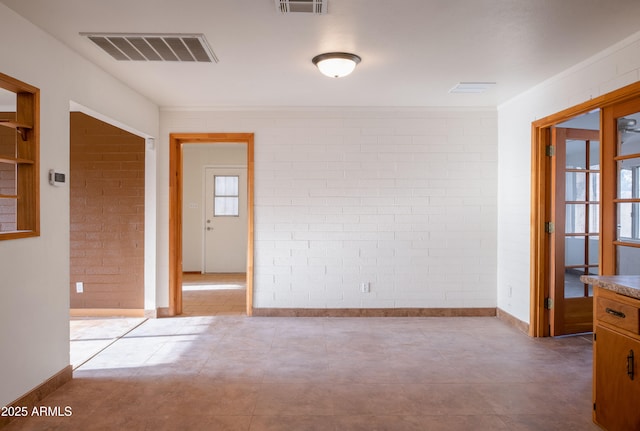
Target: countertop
<point>628,285</point>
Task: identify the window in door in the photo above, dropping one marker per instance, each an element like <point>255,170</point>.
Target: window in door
<point>628,196</point>
<point>628,219</point>
<point>225,196</point>
<point>582,211</point>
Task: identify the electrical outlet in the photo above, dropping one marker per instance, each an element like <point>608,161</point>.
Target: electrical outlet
<point>365,287</point>
<point>79,287</point>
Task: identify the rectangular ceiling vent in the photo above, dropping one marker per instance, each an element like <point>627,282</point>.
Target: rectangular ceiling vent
<point>154,47</point>
<point>305,6</point>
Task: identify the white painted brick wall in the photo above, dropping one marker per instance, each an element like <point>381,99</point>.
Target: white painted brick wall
<point>403,199</point>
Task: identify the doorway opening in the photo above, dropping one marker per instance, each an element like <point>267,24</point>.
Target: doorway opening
<point>575,209</point>
<point>214,228</point>
<point>107,234</point>
<point>107,210</point>
<point>217,221</point>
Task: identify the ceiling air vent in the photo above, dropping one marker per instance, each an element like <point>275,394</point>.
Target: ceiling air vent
<point>306,6</point>
<point>154,47</point>
<point>472,87</point>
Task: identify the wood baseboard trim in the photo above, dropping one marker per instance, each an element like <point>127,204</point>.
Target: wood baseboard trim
<point>163,312</point>
<point>33,397</point>
<point>374,312</point>
<point>107,312</point>
<point>511,320</point>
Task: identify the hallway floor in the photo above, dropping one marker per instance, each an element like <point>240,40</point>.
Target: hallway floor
<point>214,294</point>
<point>232,372</point>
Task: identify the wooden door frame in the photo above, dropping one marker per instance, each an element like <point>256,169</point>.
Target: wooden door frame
<point>542,207</point>
<point>176,141</point>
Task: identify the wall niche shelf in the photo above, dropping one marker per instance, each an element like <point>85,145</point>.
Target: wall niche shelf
<point>19,159</point>
<point>21,128</point>
<point>16,161</point>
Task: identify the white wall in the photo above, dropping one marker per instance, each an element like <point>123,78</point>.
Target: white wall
<point>404,199</point>
<point>34,297</point>
<point>195,158</point>
<point>612,69</point>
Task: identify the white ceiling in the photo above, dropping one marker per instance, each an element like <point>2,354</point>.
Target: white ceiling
<point>413,51</point>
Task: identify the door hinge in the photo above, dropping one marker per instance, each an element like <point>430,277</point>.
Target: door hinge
<point>548,303</point>
<point>594,337</point>
<point>550,150</point>
<point>549,227</point>
<point>594,406</point>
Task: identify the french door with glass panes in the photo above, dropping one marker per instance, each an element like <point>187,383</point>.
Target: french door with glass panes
<point>575,233</point>
<point>621,195</point>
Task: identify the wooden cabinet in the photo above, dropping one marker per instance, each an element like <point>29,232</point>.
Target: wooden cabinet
<point>616,376</point>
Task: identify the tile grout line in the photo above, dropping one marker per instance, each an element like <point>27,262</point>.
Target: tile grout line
<point>109,345</point>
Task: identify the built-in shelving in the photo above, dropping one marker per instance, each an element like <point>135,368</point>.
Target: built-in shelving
<point>21,128</point>
<point>15,160</point>
<point>14,124</point>
<point>21,155</point>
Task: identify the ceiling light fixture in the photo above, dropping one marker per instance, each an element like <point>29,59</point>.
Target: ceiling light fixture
<point>336,64</point>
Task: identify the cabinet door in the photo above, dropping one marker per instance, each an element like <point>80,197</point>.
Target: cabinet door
<point>616,394</point>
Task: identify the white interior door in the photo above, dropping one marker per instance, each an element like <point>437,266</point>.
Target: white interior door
<point>225,220</point>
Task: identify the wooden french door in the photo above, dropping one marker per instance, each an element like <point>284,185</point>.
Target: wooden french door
<point>575,238</point>
<point>621,194</point>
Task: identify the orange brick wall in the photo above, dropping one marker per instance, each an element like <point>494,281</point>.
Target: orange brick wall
<point>106,182</point>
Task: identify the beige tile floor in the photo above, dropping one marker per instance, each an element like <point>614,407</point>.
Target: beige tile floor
<point>232,372</point>
<point>89,335</point>
<point>203,295</point>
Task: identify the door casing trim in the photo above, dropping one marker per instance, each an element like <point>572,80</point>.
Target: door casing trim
<point>176,141</point>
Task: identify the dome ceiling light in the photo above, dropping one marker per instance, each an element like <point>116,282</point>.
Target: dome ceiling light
<point>336,64</point>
